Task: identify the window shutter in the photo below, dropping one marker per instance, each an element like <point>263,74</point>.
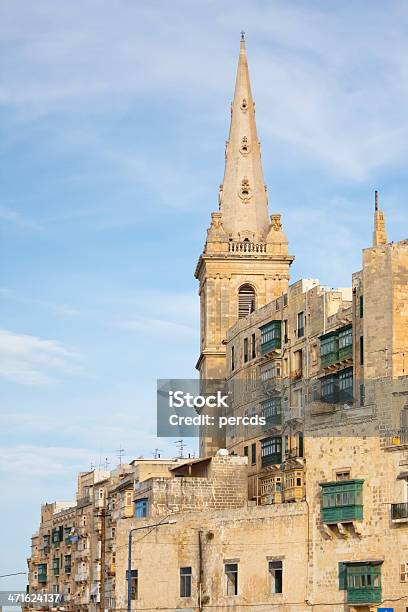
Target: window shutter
<point>342,576</point>
<point>404,574</point>
<point>246,301</point>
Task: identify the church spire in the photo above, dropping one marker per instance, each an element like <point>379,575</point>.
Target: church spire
<point>243,197</point>
<point>380,232</point>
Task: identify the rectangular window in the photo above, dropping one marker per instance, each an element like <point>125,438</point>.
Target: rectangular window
<point>253,346</point>
<point>56,566</point>
<point>231,578</point>
<point>285,331</point>
<point>246,354</point>
<point>361,306</point>
<point>185,581</point>
<point>253,454</point>
<point>276,576</point>
<point>361,350</point>
<point>300,324</point>
<point>141,507</point>
<point>245,451</point>
<point>232,358</point>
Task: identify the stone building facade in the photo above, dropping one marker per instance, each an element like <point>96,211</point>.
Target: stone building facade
<point>307,511</point>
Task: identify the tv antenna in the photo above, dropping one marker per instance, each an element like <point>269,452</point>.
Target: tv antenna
<point>120,452</point>
<point>181,447</point>
<point>157,452</point>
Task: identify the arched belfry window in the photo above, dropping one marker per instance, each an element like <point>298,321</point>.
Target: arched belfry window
<point>246,300</point>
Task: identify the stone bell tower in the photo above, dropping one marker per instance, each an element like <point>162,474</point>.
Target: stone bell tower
<point>245,262</point>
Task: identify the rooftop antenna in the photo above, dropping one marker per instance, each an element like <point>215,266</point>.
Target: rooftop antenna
<point>157,452</point>
<point>181,447</point>
<point>106,464</point>
<point>92,466</point>
<point>120,452</point>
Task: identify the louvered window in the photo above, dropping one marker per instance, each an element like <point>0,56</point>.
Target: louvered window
<point>246,301</point>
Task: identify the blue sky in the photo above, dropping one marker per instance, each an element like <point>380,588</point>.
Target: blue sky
<point>113,118</point>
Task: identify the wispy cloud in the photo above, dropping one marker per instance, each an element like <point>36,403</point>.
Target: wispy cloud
<point>29,360</point>
<point>11,216</point>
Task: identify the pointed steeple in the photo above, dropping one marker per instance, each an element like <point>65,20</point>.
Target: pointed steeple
<point>380,232</point>
<point>243,197</point>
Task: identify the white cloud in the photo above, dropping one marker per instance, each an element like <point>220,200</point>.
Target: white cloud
<point>330,84</point>
<point>29,360</point>
<point>14,217</point>
<point>43,462</point>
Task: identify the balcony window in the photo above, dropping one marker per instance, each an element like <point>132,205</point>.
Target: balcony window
<point>276,576</point>
<point>56,566</point>
<point>246,354</point>
<point>42,572</point>
<point>362,581</point>
<point>346,385</point>
<point>337,387</point>
<point>342,501</point>
<point>67,564</point>
<point>253,346</point>
<point>272,411</point>
<point>329,349</point>
<point>300,324</point>
<point>271,336</point>
<point>185,581</point>
<point>231,578</point>
<point>271,450</point>
<point>57,535</point>
<point>253,453</point>
<point>141,507</point>
<point>345,342</point>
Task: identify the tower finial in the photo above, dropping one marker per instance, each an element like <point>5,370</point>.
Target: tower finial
<point>380,232</point>
<point>242,39</point>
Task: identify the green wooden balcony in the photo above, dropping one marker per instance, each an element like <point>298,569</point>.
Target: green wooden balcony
<point>329,359</point>
<point>343,514</point>
<point>364,595</point>
<point>272,421</point>
<point>342,501</point>
<point>42,577</point>
<point>345,352</point>
<point>271,336</point>
<point>272,459</point>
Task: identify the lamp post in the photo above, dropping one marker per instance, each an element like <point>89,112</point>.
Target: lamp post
<point>170,522</point>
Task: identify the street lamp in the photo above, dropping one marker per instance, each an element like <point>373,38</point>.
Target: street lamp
<point>170,522</point>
